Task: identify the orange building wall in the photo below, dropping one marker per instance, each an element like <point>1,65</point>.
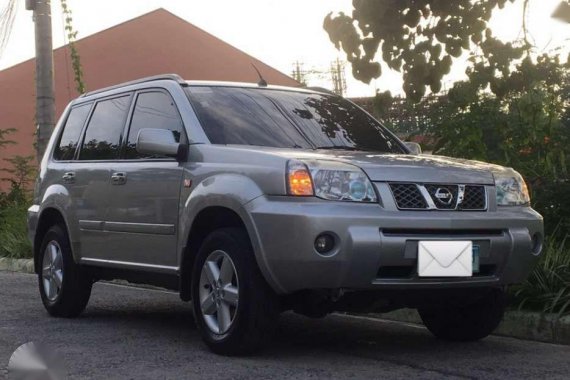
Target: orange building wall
<point>156,43</point>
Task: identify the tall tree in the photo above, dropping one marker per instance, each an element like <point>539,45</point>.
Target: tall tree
<point>419,38</point>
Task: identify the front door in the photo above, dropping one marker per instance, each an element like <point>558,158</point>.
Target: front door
<point>142,219</point>
<point>89,175</point>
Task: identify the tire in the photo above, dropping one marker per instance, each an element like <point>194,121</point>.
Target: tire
<point>252,315</point>
<point>463,323</point>
<point>71,283</point>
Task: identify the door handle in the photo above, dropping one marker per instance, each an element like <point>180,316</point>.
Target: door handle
<point>68,177</point>
<point>119,178</point>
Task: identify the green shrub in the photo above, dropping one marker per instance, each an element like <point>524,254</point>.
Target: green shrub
<point>14,241</point>
<point>548,287</point>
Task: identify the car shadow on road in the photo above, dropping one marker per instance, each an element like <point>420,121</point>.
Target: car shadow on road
<point>295,335</point>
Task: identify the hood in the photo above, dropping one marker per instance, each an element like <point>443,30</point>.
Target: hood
<point>379,167</point>
<point>423,169</point>
<point>410,168</point>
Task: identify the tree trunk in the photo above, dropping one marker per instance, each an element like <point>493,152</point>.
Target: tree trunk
<point>45,98</point>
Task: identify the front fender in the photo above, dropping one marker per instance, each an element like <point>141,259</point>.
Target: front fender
<point>231,191</point>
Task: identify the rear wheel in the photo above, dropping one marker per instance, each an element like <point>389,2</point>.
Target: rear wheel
<point>235,309</point>
<point>466,322</point>
<point>65,288</point>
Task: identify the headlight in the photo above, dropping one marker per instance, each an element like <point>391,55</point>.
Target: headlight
<point>330,180</point>
<point>511,188</point>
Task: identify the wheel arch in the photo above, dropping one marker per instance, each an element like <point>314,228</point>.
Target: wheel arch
<point>207,220</point>
<point>227,194</point>
<point>49,217</point>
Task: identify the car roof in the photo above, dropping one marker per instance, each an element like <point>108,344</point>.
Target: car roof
<point>309,90</point>
<point>195,83</point>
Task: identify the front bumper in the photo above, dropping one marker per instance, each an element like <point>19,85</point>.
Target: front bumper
<point>377,248</point>
<point>32,220</point>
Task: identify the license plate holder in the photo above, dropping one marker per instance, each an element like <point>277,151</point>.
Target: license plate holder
<point>476,262</point>
<point>447,258</point>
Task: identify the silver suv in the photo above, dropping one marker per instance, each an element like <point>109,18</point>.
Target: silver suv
<point>251,200</point>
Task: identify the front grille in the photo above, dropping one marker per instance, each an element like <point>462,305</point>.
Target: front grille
<point>474,198</point>
<point>402,271</point>
<point>411,196</point>
<point>408,196</point>
<point>410,272</point>
<point>441,233</point>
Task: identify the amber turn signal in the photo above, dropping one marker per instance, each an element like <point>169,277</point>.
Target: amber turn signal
<point>299,180</point>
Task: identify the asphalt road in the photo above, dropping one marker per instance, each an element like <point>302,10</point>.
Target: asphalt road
<point>131,333</point>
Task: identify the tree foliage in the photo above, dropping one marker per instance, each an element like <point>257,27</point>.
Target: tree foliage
<point>419,38</point>
<point>21,171</point>
<point>3,137</point>
<point>524,124</point>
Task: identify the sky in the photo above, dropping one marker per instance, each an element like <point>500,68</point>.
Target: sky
<point>277,32</point>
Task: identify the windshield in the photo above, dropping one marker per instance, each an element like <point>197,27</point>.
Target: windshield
<point>287,119</point>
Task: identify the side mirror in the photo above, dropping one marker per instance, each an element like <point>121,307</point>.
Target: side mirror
<point>158,142</point>
<point>414,148</point>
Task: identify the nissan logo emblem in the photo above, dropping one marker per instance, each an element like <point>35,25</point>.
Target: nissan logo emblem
<point>444,196</point>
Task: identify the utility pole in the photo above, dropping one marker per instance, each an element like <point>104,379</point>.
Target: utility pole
<point>299,74</point>
<point>338,77</point>
<point>45,96</point>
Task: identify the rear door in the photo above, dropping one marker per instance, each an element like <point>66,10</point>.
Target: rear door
<point>144,193</point>
<point>101,145</point>
<point>63,168</point>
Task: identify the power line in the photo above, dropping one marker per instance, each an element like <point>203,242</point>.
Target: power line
<point>7,17</point>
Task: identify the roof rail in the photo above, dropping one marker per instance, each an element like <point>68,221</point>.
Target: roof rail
<point>174,77</point>
<point>321,89</point>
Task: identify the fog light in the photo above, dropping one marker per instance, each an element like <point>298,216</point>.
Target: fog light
<point>324,243</point>
<point>537,244</point>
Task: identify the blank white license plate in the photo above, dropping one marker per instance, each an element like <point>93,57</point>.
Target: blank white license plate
<point>445,258</point>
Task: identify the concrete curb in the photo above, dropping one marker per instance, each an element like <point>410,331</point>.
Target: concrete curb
<point>518,324</point>
<point>17,265</point>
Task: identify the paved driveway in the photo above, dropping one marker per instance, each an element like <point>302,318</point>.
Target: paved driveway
<point>130,333</point>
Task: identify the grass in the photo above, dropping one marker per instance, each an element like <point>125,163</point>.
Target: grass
<point>14,241</point>
<point>548,287</point>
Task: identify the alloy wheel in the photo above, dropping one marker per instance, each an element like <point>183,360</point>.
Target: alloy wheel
<point>52,271</point>
<point>219,292</point>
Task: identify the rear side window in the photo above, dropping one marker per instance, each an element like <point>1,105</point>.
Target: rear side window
<point>153,110</point>
<point>103,137</point>
<point>65,149</point>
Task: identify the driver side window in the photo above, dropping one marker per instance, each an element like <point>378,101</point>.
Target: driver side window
<point>153,110</point>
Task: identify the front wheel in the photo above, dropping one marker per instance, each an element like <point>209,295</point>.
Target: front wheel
<point>65,287</point>
<point>235,309</point>
<point>466,322</point>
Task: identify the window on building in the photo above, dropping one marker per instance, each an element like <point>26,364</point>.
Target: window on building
<point>103,137</point>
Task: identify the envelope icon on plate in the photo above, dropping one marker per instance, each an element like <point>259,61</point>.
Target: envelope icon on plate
<point>445,258</point>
